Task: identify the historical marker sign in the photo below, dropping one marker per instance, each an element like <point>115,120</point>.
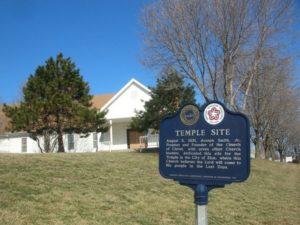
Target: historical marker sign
<point>208,146</point>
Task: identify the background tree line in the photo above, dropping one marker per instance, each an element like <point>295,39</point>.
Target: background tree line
<point>234,52</point>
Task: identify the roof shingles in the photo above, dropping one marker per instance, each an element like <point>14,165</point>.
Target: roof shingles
<point>98,101</point>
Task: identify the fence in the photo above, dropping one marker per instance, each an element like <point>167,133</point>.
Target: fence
<point>149,141</point>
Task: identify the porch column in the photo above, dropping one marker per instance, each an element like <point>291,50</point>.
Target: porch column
<point>110,135</point>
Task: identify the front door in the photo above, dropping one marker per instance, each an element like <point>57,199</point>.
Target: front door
<point>133,139</point>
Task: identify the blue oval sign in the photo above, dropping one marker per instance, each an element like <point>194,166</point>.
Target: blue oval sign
<point>210,145</point>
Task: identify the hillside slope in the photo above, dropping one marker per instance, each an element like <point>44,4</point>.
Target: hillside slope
<point>126,189</point>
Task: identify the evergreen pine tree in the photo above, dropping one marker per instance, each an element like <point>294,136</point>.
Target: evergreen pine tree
<point>166,98</point>
<point>56,100</point>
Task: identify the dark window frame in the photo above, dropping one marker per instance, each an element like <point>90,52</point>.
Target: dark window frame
<point>71,142</point>
<point>24,144</point>
<point>95,140</point>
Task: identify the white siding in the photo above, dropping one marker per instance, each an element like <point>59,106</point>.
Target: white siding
<point>131,100</point>
<point>14,145</point>
<point>81,143</point>
<point>10,145</point>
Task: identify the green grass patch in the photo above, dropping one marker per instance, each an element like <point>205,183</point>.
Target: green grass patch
<point>126,189</point>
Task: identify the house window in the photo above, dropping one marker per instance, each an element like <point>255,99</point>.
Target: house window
<point>95,140</point>
<point>24,144</point>
<point>105,138</point>
<point>70,141</point>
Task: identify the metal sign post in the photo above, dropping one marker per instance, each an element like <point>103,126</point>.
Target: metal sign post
<point>201,215</point>
<point>201,197</point>
<point>204,148</point>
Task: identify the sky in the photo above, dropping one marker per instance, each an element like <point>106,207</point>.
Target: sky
<point>102,37</point>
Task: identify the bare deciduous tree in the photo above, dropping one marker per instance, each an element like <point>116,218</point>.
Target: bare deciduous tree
<point>217,44</point>
<point>286,121</point>
<point>231,50</point>
<point>271,106</point>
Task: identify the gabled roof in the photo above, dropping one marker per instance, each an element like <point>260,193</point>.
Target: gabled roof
<point>98,101</point>
<point>120,92</point>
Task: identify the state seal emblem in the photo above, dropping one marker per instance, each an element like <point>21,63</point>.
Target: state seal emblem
<point>189,115</point>
<point>214,114</point>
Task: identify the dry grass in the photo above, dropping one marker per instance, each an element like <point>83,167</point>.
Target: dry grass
<point>125,188</point>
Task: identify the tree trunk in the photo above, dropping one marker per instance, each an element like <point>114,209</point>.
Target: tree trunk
<point>273,153</point>
<point>47,142</point>
<point>267,154</point>
<point>281,156</point>
<point>267,147</point>
<point>39,144</point>
<point>60,142</point>
<point>257,150</point>
<point>257,145</point>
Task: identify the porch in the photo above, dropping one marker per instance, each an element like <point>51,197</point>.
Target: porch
<point>119,136</point>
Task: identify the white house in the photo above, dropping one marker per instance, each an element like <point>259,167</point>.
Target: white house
<point>121,107</point>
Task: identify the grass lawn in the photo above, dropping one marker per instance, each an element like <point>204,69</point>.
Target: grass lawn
<point>126,189</point>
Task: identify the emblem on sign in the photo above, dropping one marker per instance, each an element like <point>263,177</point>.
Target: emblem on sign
<point>214,114</point>
<point>189,115</point>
